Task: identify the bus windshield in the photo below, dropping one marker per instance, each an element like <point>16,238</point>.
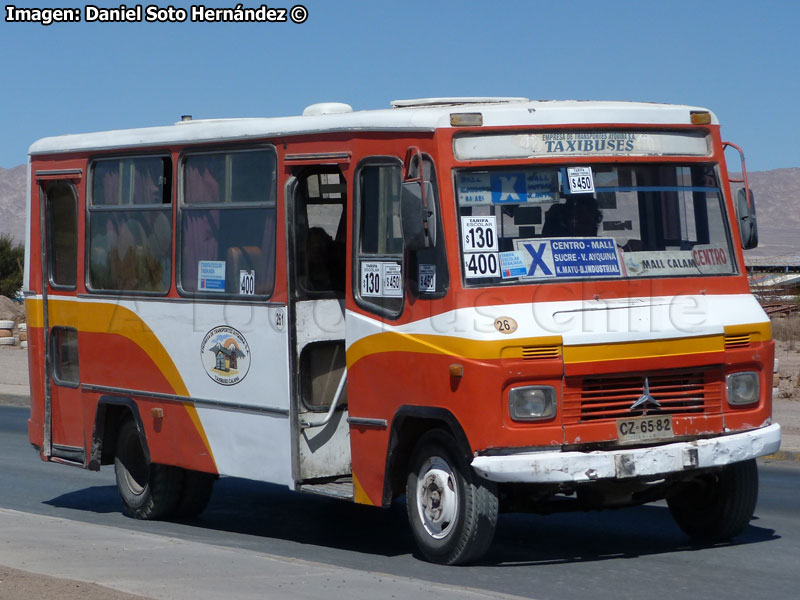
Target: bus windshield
<point>525,224</point>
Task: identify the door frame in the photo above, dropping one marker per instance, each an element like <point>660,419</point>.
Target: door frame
<point>53,389</point>
<point>335,433</point>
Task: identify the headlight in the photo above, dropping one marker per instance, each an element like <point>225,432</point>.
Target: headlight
<point>742,388</point>
<point>532,402</point>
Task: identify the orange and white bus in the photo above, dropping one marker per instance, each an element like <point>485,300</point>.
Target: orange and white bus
<point>484,304</point>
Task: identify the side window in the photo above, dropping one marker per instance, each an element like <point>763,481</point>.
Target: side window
<point>379,277</point>
<point>65,356</point>
<point>320,234</point>
<point>130,224</point>
<point>227,223</point>
<point>62,234</point>
<point>322,365</point>
<point>427,268</point>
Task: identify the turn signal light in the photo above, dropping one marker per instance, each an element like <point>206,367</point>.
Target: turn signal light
<point>700,117</point>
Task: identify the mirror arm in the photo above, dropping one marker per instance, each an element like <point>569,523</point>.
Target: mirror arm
<point>744,168</point>
<point>411,153</point>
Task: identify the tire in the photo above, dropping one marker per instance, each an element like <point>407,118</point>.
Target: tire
<point>195,493</point>
<point>452,512</point>
<point>149,491</point>
<point>6,324</point>
<point>718,506</point>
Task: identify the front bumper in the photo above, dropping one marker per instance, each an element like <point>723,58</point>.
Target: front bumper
<point>564,467</point>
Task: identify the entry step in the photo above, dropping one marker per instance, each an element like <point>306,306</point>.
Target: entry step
<point>340,488</point>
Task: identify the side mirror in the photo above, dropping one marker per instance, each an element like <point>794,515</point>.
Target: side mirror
<point>746,213</point>
<point>419,221</point>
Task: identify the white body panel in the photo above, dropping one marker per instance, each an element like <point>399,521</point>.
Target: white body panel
<point>584,321</point>
<point>252,446</point>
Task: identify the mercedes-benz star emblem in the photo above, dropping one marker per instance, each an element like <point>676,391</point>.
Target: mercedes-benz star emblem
<point>645,399</point>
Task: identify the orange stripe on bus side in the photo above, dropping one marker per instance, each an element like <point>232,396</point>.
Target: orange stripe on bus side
<point>102,317</point>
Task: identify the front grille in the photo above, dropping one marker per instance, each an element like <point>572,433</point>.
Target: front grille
<point>679,393</point>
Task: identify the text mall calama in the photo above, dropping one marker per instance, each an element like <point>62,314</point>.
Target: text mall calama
<point>151,13</point>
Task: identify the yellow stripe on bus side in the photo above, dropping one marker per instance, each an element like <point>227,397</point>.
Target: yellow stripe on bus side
<point>191,410</point>
<point>359,495</point>
<point>444,345</point>
<point>760,332</point>
<point>647,349</point>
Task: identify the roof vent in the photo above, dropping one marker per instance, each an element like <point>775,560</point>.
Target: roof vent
<point>327,108</point>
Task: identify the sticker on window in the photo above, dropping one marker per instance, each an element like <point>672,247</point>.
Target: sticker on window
<point>512,264</point>
<point>507,187</point>
<point>247,282</point>
<point>371,279</point>
<point>392,280</point>
<point>427,278</point>
<point>712,259</point>
<point>479,234</point>
<point>381,279</point>
<point>667,262</point>
<point>569,257</point>
<point>211,276</point>
<point>580,180</point>
<point>481,264</point>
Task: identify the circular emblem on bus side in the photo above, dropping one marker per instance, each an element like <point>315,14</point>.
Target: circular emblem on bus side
<point>505,324</point>
<point>225,355</point>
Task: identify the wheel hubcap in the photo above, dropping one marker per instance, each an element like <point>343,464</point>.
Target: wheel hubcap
<point>437,497</point>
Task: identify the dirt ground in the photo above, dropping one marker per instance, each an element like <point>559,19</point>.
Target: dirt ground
<point>787,379</point>
<point>19,585</point>
<point>11,310</point>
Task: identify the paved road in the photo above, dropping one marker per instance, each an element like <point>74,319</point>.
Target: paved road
<point>633,553</point>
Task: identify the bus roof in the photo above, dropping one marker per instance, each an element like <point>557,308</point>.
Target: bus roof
<point>425,114</point>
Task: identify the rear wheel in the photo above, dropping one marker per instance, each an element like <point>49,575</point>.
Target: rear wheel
<point>452,512</point>
<point>718,506</point>
<point>149,491</point>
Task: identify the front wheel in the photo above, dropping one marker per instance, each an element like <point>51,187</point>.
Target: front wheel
<point>719,506</point>
<point>149,491</point>
<point>452,512</point>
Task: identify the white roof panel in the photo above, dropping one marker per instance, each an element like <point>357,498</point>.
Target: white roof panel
<point>426,115</point>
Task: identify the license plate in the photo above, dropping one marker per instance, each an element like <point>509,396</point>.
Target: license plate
<point>645,428</point>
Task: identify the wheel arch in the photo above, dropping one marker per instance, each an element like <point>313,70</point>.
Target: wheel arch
<point>111,412</point>
<point>409,424</point>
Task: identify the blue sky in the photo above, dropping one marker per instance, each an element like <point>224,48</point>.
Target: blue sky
<point>740,59</point>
